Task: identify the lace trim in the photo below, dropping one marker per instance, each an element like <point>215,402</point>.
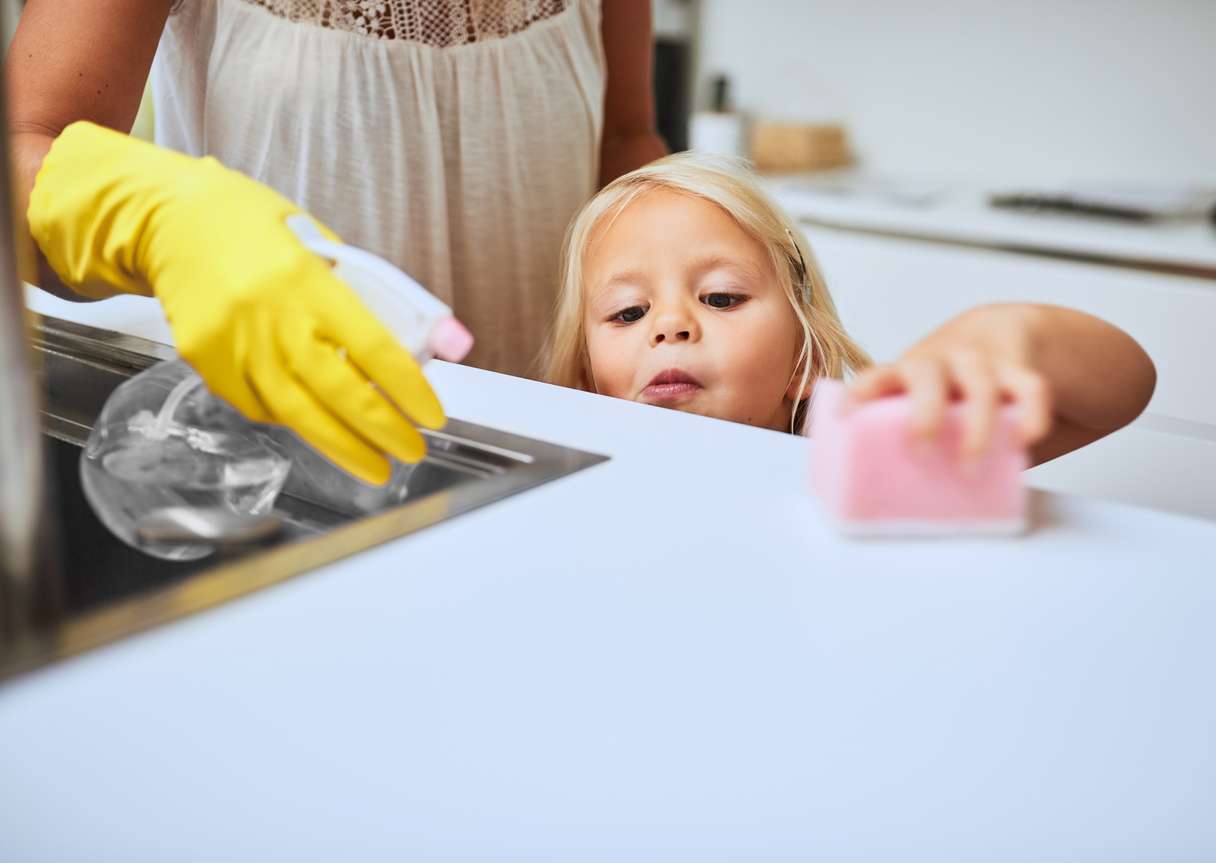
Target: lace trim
<point>440,23</point>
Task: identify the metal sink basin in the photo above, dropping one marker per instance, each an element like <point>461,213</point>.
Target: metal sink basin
<point>104,589</point>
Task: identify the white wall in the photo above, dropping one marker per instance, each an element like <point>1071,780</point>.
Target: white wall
<point>1023,91</point>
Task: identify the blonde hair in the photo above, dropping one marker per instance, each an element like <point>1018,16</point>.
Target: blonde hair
<point>827,350</point>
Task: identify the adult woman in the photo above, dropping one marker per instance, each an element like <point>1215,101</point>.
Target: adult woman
<point>454,137</point>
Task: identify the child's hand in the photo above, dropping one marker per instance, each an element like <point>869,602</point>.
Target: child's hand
<point>981,358</point>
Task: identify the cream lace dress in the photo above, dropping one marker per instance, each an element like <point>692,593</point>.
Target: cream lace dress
<point>456,139</point>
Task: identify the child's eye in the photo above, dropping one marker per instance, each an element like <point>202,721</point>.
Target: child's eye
<point>629,315</point>
<point>720,300</point>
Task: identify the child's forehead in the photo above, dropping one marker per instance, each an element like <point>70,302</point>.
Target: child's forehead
<point>661,202</point>
<point>663,222</point>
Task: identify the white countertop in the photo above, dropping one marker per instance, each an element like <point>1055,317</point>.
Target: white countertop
<point>962,215</point>
<point>667,656</point>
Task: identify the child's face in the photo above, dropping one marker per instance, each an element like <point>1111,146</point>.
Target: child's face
<point>683,310</point>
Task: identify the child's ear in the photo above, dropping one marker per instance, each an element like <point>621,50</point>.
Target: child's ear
<point>796,392</point>
<point>587,382</point>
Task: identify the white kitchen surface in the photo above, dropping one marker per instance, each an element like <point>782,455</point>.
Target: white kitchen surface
<point>665,657</point>
<point>959,213</point>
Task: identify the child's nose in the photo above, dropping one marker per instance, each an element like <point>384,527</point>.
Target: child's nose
<point>674,326</point>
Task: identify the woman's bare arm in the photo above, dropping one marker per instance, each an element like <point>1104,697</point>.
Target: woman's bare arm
<point>630,139</point>
<point>75,60</point>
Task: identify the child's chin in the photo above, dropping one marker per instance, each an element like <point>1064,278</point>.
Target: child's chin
<point>693,407</point>
<point>708,411</point>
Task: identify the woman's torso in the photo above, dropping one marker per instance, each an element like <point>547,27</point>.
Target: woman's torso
<point>460,161</point>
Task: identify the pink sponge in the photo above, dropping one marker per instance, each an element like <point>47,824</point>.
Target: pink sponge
<point>876,478</point>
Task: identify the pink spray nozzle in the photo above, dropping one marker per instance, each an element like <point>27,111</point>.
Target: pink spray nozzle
<point>449,340</point>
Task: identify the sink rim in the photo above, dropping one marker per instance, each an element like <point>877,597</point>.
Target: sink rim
<point>532,463</point>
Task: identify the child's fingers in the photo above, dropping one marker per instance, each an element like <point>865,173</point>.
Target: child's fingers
<point>875,382</point>
<point>922,379</point>
<point>926,384</point>
<point>1032,395</point>
<point>977,382</point>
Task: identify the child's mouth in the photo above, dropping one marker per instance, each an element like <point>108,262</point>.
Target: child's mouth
<point>670,386</point>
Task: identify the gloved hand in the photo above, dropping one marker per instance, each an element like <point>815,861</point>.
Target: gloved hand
<point>263,320</point>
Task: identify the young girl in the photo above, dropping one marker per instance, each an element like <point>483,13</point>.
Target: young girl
<point>685,286</point>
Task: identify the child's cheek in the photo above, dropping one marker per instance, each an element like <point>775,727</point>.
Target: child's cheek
<point>610,367</point>
<point>764,358</point>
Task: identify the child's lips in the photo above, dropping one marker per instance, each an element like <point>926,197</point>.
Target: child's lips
<point>669,386</point>
<point>668,393</point>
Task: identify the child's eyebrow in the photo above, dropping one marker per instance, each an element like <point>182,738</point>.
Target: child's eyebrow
<point>715,261</point>
<point>624,278</point>
<point>602,298</point>
<point>704,264</point>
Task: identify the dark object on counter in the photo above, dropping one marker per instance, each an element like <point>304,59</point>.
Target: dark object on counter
<point>719,100</point>
<point>1036,203</point>
<point>672,71</point>
<point>1123,201</point>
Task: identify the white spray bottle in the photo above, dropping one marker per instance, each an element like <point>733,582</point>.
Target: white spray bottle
<point>164,441</point>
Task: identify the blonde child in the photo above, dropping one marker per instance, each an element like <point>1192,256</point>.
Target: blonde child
<point>684,286</point>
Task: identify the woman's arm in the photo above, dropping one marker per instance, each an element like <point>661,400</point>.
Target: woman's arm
<point>630,139</point>
<point>1074,377</point>
<point>74,60</point>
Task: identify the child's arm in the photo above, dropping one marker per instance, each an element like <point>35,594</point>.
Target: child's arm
<point>1075,378</point>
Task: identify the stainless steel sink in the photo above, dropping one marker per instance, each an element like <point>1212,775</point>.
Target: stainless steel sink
<point>104,590</point>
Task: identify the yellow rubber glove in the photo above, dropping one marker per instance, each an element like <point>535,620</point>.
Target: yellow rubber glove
<point>262,319</point>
